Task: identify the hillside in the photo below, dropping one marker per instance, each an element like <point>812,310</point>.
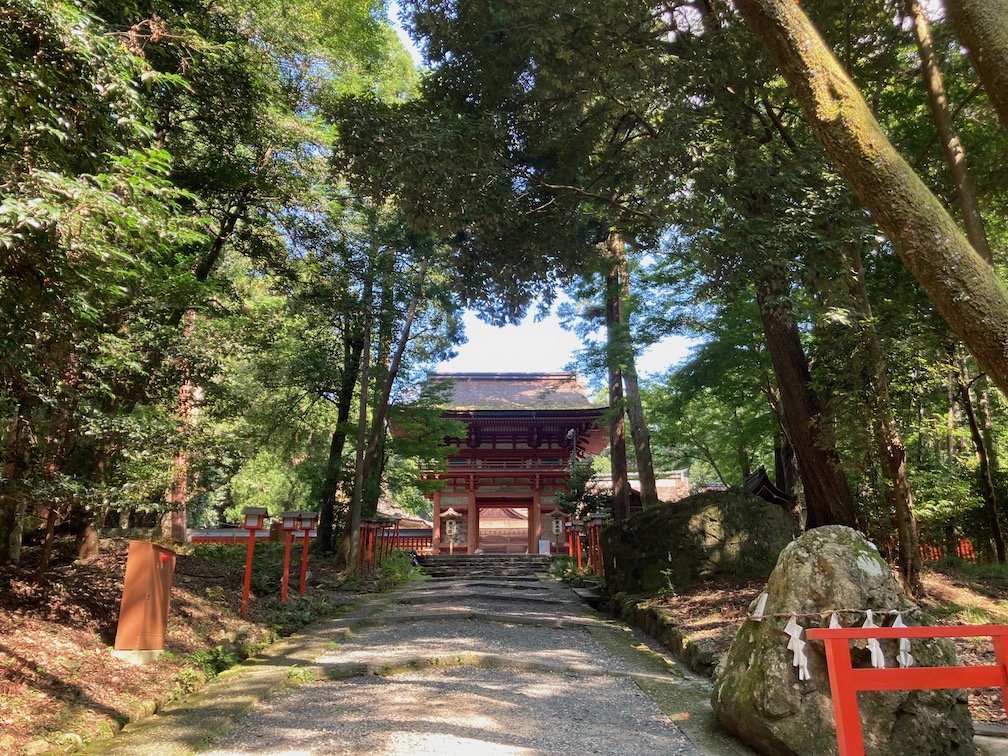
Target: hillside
<point>59,684</point>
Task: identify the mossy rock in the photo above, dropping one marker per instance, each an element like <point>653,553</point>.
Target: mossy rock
<point>757,693</point>
<point>711,534</point>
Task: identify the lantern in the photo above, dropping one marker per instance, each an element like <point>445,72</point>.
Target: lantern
<point>451,520</point>
<point>558,526</point>
<point>255,517</point>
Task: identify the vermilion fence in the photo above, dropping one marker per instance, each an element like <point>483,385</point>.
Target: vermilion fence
<point>963,550</point>
<point>419,544</point>
<point>845,681</point>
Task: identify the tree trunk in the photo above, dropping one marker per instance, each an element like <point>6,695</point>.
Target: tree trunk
<point>952,148</point>
<point>12,504</point>
<point>962,286</point>
<point>785,465</point>
<point>639,431</point>
<point>365,456</point>
<point>827,496</point>
<point>955,157</point>
<point>381,410</point>
<point>617,429</point>
<point>352,533</point>
<point>47,546</point>
<point>986,482</point>
<point>786,476</point>
<point>982,28</point>
<point>352,349</point>
<point>745,463</point>
<point>891,450</point>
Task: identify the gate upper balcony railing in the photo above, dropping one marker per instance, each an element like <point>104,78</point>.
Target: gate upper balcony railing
<point>542,464</point>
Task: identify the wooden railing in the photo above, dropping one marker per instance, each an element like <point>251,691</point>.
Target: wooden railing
<point>419,544</point>
<point>845,681</point>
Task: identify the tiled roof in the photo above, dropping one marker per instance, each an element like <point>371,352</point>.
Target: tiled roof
<point>515,391</point>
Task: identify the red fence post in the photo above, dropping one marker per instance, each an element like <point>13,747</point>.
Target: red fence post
<point>288,534</point>
<point>845,710</point>
<point>248,573</point>
<point>362,545</point>
<point>1001,657</point>
<point>845,681</point>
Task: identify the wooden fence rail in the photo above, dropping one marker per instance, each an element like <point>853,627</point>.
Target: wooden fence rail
<point>845,681</point>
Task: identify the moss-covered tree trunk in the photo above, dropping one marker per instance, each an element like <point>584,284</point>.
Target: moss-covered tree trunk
<point>962,286</point>
<point>986,481</point>
<point>350,547</point>
<point>982,27</point>
<point>891,449</point>
<point>952,147</point>
<point>639,431</point>
<point>617,427</point>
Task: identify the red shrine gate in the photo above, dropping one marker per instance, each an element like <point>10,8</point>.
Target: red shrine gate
<point>523,430</point>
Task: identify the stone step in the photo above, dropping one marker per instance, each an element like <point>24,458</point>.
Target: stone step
<point>485,565</point>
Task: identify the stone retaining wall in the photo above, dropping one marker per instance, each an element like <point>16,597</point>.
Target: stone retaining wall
<point>658,623</point>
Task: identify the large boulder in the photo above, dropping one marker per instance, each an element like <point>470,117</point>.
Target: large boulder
<point>712,534</point>
<point>757,693</point>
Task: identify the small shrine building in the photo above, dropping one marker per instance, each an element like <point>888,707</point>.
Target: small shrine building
<point>523,430</point>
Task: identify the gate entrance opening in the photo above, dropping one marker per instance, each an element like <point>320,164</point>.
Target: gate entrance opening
<point>504,529</point>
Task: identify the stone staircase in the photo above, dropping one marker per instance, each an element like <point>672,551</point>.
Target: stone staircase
<point>484,565</point>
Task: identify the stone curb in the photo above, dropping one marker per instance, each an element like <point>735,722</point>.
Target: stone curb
<point>658,623</point>
<point>183,726</point>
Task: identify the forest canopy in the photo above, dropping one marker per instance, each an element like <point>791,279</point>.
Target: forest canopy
<point>232,235</point>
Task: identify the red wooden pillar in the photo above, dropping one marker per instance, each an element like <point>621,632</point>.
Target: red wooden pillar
<point>304,563</point>
<point>577,542</point>
<point>371,545</point>
<point>288,535</point>
<point>436,530</point>
<point>255,518</point>
<point>472,525</point>
<point>365,544</point>
<point>535,521</point>
<point>248,573</point>
<point>845,708</point>
<point>384,540</point>
<point>309,520</point>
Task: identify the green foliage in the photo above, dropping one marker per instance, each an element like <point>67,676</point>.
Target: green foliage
<point>561,566</point>
<point>215,660</point>
<point>300,675</point>
<point>292,616</point>
<point>668,590</point>
<point>582,497</point>
<point>271,481</point>
<point>396,568</point>
<point>947,498</point>
<point>159,174</point>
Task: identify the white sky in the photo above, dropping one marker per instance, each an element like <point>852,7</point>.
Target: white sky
<point>541,347</point>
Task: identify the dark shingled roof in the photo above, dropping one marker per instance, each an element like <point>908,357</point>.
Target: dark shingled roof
<point>515,391</point>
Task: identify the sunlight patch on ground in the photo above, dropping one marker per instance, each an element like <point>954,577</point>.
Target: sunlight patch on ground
<point>435,743</point>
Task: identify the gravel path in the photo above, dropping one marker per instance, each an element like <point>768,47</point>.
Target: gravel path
<point>478,665</point>
<point>461,711</point>
<point>497,684</point>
